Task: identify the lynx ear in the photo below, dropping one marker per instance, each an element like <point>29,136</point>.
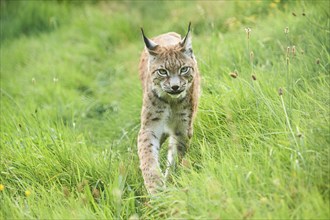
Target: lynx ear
<point>151,46</point>
<point>186,43</point>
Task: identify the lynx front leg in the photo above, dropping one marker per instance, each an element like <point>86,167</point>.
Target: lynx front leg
<point>148,148</point>
<point>178,145</point>
<point>171,155</point>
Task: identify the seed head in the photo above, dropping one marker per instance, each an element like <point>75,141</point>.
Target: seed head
<point>317,61</point>
<point>96,193</point>
<point>254,77</point>
<point>234,74</point>
<point>294,50</point>
<point>248,31</point>
<point>251,56</point>
<point>280,91</point>
<point>286,30</point>
<point>294,14</point>
<point>287,51</point>
<point>303,14</point>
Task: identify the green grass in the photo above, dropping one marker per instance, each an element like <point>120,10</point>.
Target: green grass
<point>71,100</point>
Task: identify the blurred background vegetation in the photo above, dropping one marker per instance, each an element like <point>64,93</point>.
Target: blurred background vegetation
<point>35,17</point>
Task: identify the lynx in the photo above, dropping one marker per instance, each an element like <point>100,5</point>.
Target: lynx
<point>170,82</point>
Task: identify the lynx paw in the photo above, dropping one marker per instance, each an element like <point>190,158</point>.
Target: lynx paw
<point>154,183</point>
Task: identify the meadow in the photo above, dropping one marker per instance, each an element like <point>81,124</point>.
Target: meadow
<point>71,101</point>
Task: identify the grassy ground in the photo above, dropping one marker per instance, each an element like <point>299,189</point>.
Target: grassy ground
<point>71,99</point>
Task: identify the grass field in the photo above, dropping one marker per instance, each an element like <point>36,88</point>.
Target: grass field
<point>71,100</point>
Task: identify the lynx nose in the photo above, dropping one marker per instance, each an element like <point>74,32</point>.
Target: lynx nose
<point>175,88</point>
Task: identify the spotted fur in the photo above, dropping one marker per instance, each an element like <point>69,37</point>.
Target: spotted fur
<point>169,103</point>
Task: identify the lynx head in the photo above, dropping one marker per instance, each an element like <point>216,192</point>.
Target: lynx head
<point>171,67</point>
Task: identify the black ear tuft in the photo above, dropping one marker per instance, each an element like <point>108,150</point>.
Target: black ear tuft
<point>183,42</point>
<point>149,43</point>
<point>186,43</point>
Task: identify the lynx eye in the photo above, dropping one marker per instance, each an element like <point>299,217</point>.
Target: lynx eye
<point>184,70</point>
<point>162,72</point>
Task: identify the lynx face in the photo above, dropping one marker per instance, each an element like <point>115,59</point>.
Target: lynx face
<point>171,73</point>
